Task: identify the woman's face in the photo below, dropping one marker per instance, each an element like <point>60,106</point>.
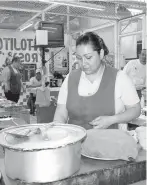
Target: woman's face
<point>88,59</point>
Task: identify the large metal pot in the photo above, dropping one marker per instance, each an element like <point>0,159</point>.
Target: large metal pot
<point>50,162</point>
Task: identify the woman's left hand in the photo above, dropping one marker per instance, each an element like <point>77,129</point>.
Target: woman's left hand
<point>102,122</point>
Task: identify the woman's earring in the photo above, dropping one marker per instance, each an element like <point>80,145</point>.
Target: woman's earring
<point>101,54</point>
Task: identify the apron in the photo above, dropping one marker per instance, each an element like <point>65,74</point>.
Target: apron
<point>15,81</point>
<point>81,109</point>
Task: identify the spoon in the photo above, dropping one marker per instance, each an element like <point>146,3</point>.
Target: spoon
<point>26,136</point>
<point>44,132</point>
<point>31,133</point>
<point>48,126</point>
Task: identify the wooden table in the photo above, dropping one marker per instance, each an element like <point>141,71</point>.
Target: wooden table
<point>98,172</point>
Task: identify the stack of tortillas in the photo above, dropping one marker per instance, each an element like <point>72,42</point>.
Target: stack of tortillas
<point>111,144</point>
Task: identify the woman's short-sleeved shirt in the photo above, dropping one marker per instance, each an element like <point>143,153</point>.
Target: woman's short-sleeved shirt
<point>125,92</point>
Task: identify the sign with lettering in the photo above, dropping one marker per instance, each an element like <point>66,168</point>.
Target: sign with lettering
<point>19,44</point>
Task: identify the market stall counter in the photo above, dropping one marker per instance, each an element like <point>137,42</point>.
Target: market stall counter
<point>12,114</point>
<point>97,172</point>
<point>20,113</point>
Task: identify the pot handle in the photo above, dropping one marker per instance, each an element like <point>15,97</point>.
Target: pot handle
<point>3,151</point>
<point>83,139</point>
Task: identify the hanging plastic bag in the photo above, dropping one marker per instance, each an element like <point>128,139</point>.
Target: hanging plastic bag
<point>43,97</point>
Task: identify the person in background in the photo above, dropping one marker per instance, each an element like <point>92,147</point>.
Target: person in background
<point>9,58</point>
<point>7,61</point>
<point>35,82</point>
<point>136,70</point>
<point>11,79</point>
<point>96,95</point>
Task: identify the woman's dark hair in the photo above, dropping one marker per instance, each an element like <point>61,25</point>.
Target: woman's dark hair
<point>15,59</point>
<point>93,39</point>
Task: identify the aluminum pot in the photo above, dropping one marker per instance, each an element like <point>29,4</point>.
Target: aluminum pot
<point>43,164</point>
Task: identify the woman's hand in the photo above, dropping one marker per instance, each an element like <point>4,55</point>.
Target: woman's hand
<point>6,88</point>
<point>102,122</point>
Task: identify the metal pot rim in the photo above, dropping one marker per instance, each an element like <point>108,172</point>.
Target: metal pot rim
<point>41,149</point>
<point>13,148</point>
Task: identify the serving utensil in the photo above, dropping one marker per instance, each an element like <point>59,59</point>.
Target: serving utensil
<point>20,138</point>
<point>31,133</point>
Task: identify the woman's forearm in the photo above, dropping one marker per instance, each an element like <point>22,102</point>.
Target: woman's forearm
<point>61,114</point>
<point>59,118</point>
<point>128,115</point>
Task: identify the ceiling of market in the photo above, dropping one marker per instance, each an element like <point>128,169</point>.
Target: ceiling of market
<point>19,14</point>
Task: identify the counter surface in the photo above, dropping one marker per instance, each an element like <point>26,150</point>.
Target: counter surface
<point>22,114</point>
<point>98,172</point>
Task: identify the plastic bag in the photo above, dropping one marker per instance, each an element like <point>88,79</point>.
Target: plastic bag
<point>43,97</point>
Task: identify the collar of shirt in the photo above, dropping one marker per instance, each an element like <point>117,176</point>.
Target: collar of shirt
<point>86,88</point>
<point>99,75</point>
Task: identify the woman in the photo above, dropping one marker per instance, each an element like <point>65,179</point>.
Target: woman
<point>8,60</point>
<point>96,95</point>
<point>12,83</point>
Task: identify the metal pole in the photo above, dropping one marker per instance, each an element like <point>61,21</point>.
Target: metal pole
<point>116,45</point>
<point>43,50</point>
<point>43,16</point>
<point>119,46</point>
<point>144,25</point>
<point>69,41</point>
<point>130,34</point>
<point>43,53</point>
<point>146,31</point>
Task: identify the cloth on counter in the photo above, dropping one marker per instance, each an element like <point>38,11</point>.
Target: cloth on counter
<point>110,144</point>
<point>43,97</point>
<point>6,103</point>
<point>141,135</point>
<point>137,72</point>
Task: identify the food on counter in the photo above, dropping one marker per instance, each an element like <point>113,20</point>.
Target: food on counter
<point>134,135</point>
<point>7,103</point>
<point>5,116</point>
<point>109,144</point>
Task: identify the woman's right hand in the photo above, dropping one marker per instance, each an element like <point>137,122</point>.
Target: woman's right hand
<point>6,88</point>
<point>102,122</point>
